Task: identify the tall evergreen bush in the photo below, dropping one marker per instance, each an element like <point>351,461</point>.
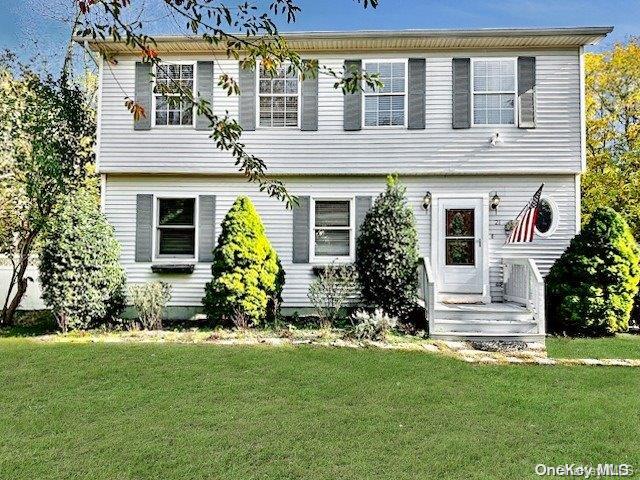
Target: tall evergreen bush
<point>387,253</point>
<point>82,279</point>
<point>247,275</point>
<point>591,288</point>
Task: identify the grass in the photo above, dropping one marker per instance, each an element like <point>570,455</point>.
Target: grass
<point>620,346</point>
<point>148,411</point>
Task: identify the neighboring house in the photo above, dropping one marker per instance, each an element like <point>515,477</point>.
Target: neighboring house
<point>468,118</point>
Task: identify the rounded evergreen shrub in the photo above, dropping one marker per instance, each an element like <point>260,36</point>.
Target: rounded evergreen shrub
<point>82,280</point>
<point>591,288</point>
<point>387,253</point>
<point>247,274</point>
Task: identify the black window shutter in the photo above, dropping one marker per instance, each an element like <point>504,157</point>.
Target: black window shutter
<point>206,227</point>
<point>144,228</point>
<point>309,90</point>
<point>143,94</point>
<point>417,94</point>
<point>527,92</point>
<point>247,98</point>
<point>461,93</point>
<point>352,110</point>
<point>204,81</point>
<point>363,204</point>
<point>301,216</point>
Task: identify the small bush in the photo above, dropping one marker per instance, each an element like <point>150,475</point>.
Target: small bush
<point>591,288</point>
<point>247,275</point>
<point>150,300</point>
<point>82,280</point>
<point>329,292</point>
<point>374,326</point>
<point>387,253</point>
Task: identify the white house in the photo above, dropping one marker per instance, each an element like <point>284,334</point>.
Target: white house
<point>473,121</point>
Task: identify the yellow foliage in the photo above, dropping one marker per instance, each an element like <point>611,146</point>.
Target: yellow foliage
<point>612,102</point>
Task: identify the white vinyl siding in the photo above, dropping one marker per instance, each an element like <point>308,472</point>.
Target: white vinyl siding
<point>515,191</point>
<point>493,83</point>
<point>386,106</point>
<point>552,147</point>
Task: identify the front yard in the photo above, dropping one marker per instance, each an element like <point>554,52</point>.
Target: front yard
<point>621,346</point>
<point>201,411</point>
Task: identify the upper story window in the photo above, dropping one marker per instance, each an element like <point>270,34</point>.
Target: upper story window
<point>176,227</point>
<point>386,107</point>
<point>171,108</point>
<point>494,91</point>
<point>333,230</point>
<point>278,97</point>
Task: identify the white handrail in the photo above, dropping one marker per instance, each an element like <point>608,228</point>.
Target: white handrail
<point>427,290</point>
<point>524,284</point>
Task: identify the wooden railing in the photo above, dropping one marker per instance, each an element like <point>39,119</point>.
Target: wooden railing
<point>427,290</point>
<point>524,285</point>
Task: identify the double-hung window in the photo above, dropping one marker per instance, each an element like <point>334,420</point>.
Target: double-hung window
<point>176,227</point>
<point>494,91</point>
<point>278,97</point>
<point>171,107</point>
<point>332,230</point>
<point>386,106</point>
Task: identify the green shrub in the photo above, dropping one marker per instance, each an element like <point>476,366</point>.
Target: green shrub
<point>329,292</point>
<point>387,253</point>
<point>82,280</point>
<point>150,299</point>
<point>247,274</point>
<point>591,288</point>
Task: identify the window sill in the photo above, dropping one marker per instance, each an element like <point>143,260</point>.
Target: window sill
<point>183,268</point>
<point>319,269</point>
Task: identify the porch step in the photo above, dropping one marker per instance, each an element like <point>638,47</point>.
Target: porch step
<point>480,320</point>
<point>493,327</point>
<point>491,311</point>
<point>536,337</point>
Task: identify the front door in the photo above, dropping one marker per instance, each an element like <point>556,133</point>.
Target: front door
<point>459,248</point>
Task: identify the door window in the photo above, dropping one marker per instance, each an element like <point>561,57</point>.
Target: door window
<point>460,236</point>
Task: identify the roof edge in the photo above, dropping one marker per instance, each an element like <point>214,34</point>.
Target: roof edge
<point>593,33</point>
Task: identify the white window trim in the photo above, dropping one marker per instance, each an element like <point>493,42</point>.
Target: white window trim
<point>515,93</point>
<point>555,220</point>
<point>156,235</point>
<point>377,94</point>
<point>258,94</point>
<point>326,259</point>
<point>155,95</point>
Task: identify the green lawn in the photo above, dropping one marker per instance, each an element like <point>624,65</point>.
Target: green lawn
<point>100,411</point>
<point>620,346</point>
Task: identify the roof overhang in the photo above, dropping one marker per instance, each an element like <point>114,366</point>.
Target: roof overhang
<point>386,40</point>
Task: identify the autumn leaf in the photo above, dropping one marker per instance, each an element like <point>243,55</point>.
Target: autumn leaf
<point>85,5</point>
<point>135,108</point>
<point>149,52</point>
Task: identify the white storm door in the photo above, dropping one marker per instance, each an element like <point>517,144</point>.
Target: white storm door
<point>460,252</point>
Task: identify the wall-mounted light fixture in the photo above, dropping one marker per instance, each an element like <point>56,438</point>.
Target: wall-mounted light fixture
<point>494,202</point>
<point>426,201</point>
<point>495,139</point>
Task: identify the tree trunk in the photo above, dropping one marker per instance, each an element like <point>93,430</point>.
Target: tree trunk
<point>19,281</point>
<point>67,65</point>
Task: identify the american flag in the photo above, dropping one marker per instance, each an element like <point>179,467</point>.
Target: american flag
<point>526,221</point>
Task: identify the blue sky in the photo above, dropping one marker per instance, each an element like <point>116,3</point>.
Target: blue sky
<point>22,21</point>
